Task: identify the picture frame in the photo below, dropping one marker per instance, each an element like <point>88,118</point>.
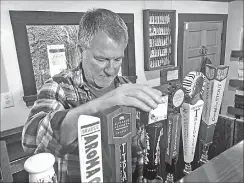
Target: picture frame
<point>159,38</point>
<point>22,20</point>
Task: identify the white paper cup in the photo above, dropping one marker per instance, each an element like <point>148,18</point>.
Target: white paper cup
<point>40,168</point>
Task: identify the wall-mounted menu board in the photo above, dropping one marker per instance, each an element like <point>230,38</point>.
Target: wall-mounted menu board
<point>159,38</point>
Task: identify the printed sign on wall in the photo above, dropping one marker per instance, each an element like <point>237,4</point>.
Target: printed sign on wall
<point>56,58</point>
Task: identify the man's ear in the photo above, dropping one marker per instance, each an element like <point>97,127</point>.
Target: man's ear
<point>79,54</point>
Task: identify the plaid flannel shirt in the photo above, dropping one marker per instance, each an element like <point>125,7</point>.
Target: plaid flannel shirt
<point>41,132</point>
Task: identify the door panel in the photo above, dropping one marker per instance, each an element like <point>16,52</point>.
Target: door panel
<point>196,35</point>
<point>191,65</point>
<point>212,50</point>
<point>212,56</point>
<point>199,26</point>
<point>211,38</point>
<point>194,41</point>
<point>195,62</point>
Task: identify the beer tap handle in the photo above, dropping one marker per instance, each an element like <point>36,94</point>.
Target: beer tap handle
<point>171,170</point>
<point>170,176</point>
<point>174,163</point>
<point>204,155</point>
<point>187,168</point>
<point>138,178</point>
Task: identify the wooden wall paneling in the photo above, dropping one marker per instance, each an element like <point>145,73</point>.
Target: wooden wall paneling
<point>226,167</point>
<point>239,131</point>
<point>222,140</point>
<point>5,171</point>
<point>12,138</point>
<point>16,154</point>
<point>223,136</point>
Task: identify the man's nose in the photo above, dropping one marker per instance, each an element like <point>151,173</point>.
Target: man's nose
<point>109,69</point>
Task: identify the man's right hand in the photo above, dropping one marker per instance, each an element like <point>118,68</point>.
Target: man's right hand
<point>135,95</point>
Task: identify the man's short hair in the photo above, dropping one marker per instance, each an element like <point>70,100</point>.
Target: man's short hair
<point>101,20</point>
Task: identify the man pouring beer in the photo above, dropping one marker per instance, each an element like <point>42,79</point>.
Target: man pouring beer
<point>85,90</point>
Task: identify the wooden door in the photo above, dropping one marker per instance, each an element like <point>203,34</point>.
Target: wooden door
<point>196,35</point>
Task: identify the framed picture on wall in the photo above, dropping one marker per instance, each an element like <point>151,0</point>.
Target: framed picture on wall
<point>159,38</point>
<point>52,49</point>
<point>46,43</point>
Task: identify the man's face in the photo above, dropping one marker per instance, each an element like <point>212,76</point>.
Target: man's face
<point>102,61</point>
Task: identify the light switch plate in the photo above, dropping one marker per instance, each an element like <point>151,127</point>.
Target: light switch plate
<point>7,100</point>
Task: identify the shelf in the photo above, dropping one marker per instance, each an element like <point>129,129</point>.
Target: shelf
<point>162,46</point>
<point>159,35</point>
<point>163,56</point>
<point>160,24</point>
<point>237,53</point>
<point>159,68</point>
<point>236,83</point>
<point>235,111</point>
<point>158,32</point>
<point>236,59</point>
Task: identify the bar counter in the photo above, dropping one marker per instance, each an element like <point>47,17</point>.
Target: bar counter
<point>226,167</point>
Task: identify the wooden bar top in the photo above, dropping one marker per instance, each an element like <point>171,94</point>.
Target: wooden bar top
<point>226,167</point>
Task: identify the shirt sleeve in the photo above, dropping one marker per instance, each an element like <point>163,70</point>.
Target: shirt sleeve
<point>41,132</point>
